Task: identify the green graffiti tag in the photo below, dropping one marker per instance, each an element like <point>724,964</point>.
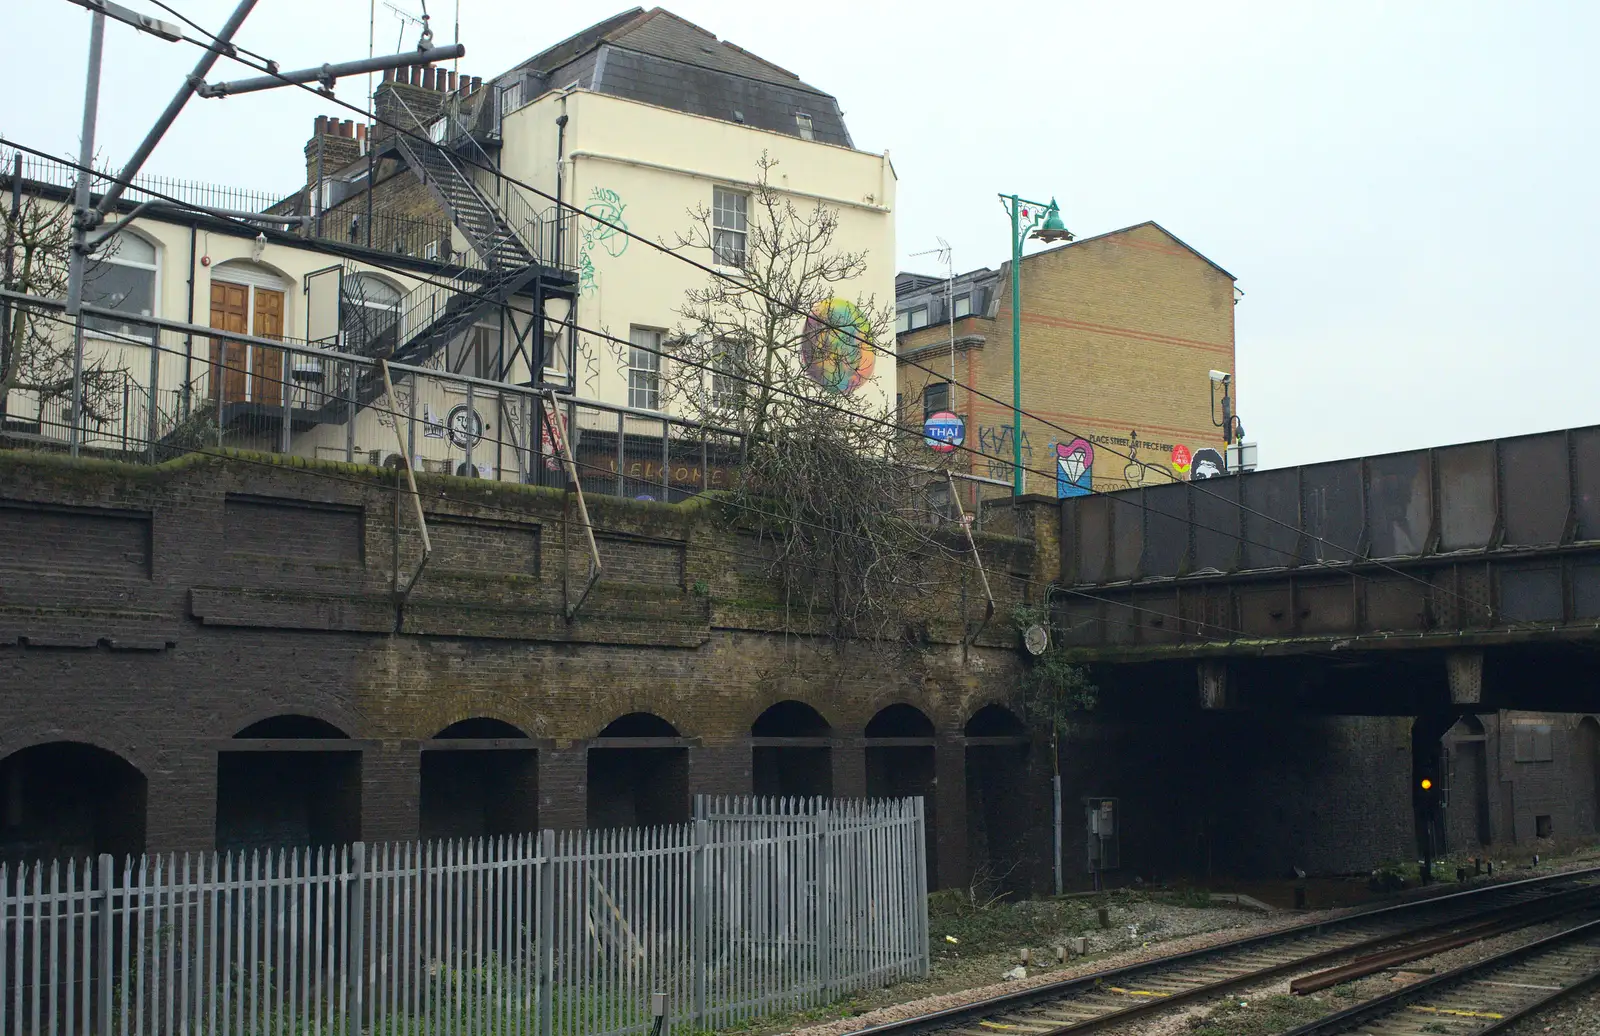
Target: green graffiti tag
<point>607,205</point>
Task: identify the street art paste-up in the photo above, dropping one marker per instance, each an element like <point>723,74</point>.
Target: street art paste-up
<point>1181,459</point>
<point>1208,463</point>
<point>1074,468</point>
<point>837,350</point>
<point>608,205</point>
<point>1133,472</point>
<point>465,426</point>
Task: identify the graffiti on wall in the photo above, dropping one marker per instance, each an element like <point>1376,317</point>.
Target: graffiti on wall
<point>1074,468</point>
<point>994,442</point>
<point>837,350</point>
<point>1208,463</point>
<point>608,205</point>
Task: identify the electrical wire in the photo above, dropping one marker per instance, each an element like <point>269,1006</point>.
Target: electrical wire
<point>850,332</point>
<point>374,261</point>
<point>360,255</point>
<point>744,555</point>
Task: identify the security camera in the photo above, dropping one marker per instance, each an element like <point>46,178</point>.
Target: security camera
<point>1218,376</point>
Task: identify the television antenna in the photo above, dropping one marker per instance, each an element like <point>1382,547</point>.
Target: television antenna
<point>946,255</point>
<point>405,18</point>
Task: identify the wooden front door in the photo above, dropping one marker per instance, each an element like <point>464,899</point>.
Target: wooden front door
<point>266,365</point>
<point>239,372</point>
<point>230,311</point>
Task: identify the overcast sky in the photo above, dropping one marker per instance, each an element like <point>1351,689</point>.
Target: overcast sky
<point>1405,192</point>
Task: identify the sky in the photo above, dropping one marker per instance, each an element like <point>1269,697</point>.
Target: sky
<point>1405,192</point>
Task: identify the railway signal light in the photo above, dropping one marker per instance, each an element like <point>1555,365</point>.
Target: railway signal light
<point>1427,784</point>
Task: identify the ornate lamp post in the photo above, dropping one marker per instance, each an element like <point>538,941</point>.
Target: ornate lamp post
<point>1041,222</point>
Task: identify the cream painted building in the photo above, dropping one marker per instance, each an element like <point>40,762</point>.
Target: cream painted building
<point>426,253</point>
<point>639,120</point>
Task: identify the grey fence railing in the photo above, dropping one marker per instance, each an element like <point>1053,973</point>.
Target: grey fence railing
<point>755,906</point>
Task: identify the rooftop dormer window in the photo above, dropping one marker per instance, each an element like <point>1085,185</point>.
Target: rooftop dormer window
<point>802,122</point>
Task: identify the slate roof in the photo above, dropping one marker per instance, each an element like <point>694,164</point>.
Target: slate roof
<point>656,57</point>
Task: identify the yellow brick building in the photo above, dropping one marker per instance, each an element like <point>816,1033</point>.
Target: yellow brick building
<point>1119,335</point>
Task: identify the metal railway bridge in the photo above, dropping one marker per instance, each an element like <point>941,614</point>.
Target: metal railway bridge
<point>1458,578</point>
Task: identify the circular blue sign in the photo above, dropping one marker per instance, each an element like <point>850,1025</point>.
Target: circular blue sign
<point>943,431</point>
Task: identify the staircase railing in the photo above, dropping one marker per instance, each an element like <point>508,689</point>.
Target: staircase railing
<point>543,233</point>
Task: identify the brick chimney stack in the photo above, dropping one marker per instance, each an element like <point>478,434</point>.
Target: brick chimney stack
<point>335,144</point>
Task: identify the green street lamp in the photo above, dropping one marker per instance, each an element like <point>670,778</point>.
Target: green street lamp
<point>1042,222</point>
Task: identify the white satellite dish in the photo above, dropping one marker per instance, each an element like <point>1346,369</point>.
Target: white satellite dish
<point>1037,640</point>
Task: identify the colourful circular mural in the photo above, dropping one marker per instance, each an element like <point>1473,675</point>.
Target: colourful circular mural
<point>837,351</point>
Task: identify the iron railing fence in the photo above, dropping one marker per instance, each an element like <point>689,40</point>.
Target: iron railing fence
<point>146,186</point>
<point>292,397</point>
<point>754,906</point>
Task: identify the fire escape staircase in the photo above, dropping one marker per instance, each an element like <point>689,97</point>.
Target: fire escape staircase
<point>500,266</point>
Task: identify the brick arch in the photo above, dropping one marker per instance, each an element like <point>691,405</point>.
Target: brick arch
<point>32,737</point>
<point>515,729</point>
<point>878,702</point>
<point>972,706</point>
<point>424,724</point>
<point>760,705</point>
<point>1008,708</point>
<point>924,713</point>
<point>228,725</point>
<point>604,711</point>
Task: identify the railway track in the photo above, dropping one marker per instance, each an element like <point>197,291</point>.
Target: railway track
<point>1119,995</point>
<point>1478,999</point>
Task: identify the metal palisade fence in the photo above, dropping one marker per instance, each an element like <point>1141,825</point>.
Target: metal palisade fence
<point>754,906</point>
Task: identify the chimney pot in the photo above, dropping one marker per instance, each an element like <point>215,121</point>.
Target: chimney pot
<point>413,75</point>
<point>452,82</point>
<point>321,123</point>
<point>361,131</point>
<point>388,74</point>
<point>477,81</point>
<point>428,77</point>
<point>347,128</point>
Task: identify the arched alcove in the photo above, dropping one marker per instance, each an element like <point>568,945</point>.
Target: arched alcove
<point>1000,801</point>
<point>68,799</point>
<point>789,754</point>
<point>639,785</point>
<point>901,763</point>
<point>474,786</point>
<point>286,781</point>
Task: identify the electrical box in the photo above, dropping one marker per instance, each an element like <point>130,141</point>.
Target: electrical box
<point>1103,827</point>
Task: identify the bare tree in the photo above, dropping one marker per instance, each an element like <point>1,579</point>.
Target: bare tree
<point>38,349</point>
<point>785,353</point>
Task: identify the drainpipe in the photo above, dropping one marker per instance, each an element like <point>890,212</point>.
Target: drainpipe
<point>188,339</point>
<point>561,222</point>
<point>561,151</point>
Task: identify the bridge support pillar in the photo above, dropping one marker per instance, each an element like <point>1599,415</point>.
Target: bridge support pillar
<point>1465,669</point>
<point>1216,688</point>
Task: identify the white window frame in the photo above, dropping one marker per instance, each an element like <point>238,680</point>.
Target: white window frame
<point>962,306</point>
<point>510,97</point>
<point>644,367</point>
<point>155,286</point>
<point>439,129</point>
<point>807,128</point>
<point>730,227</point>
<point>905,320</point>
<point>728,386</point>
<point>479,342</point>
<point>304,362</point>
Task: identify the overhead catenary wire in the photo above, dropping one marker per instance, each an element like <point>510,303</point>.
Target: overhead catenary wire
<point>361,255</point>
<point>502,509</point>
<point>1353,553</point>
<point>374,260</point>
